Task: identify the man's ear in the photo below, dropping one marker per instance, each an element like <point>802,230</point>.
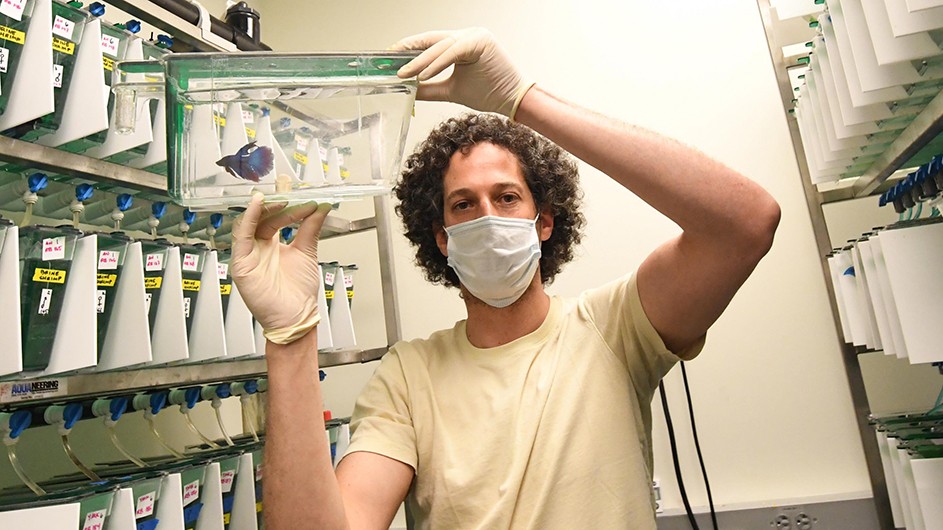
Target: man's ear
<point>545,225</point>
<point>441,239</point>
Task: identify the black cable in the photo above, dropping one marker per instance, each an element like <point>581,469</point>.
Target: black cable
<point>674,456</point>
<point>697,445</point>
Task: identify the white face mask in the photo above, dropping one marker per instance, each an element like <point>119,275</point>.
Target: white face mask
<point>495,258</point>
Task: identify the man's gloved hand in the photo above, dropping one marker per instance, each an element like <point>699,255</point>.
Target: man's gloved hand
<point>484,78</point>
<point>279,283</point>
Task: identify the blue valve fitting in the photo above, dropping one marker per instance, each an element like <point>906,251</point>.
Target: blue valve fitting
<point>216,220</point>
<point>97,9</point>
<point>165,41</point>
<point>245,388</point>
<point>321,375</point>
<point>117,407</point>
<point>158,209</point>
<point>152,403</point>
<point>15,423</point>
<point>285,122</point>
<point>84,192</point>
<point>287,234</point>
<point>124,202</point>
<point>65,416</point>
<point>188,216</point>
<point>133,25</point>
<point>37,182</point>
<point>266,111</point>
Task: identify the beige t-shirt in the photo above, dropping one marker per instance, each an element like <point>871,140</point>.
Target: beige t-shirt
<point>552,430</point>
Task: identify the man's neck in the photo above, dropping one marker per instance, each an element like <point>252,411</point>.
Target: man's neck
<point>488,327</point>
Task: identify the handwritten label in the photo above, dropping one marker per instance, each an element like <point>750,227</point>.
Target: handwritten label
<point>250,133</point>
<point>258,507</point>
<point>110,45</point>
<point>49,276</point>
<point>248,117</point>
<point>186,307</point>
<point>226,479</point>
<point>108,63</point>
<point>191,285</point>
<point>4,60</point>
<point>100,301</point>
<point>13,8</point>
<point>221,121</point>
<point>147,302</point>
<point>153,282</point>
<point>222,270</point>
<point>225,289</point>
<point>63,27</point>
<point>108,260</point>
<point>258,472</point>
<point>57,76</point>
<point>348,281</point>
<point>12,35</point>
<point>107,280</point>
<point>145,505</point>
<point>301,144</point>
<point>95,520</point>
<point>63,46</point>
<point>191,492</point>
<point>45,299</point>
<point>154,262</point>
<point>191,262</point>
<point>350,294</point>
<point>329,278</point>
<point>302,159</point>
<point>53,248</point>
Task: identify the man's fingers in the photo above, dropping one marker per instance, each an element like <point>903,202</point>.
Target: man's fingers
<point>243,228</point>
<point>420,65</point>
<point>420,41</point>
<point>271,224</point>
<point>306,240</point>
<point>434,91</point>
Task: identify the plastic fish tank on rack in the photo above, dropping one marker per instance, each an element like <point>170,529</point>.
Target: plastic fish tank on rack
<point>349,114</point>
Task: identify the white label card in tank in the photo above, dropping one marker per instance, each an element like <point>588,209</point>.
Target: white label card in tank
<point>95,520</point>
<point>63,27</point>
<point>191,262</point>
<point>154,262</point>
<point>53,248</point>
<point>110,45</point>
<point>4,60</point>
<point>222,270</point>
<point>226,480</point>
<point>108,260</point>
<point>13,8</point>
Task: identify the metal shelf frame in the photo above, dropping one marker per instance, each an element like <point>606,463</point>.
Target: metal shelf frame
<point>873,181</point>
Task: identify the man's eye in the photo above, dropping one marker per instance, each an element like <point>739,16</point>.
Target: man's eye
<point>462,205</point>
<point>508,198</point>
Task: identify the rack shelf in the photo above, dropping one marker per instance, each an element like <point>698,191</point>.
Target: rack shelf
<point>17,393</point>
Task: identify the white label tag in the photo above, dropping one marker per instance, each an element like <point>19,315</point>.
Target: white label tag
<point>190,262</point>
<point>302,145</point>
<point>45,299</point>
<point>108,260</point>
<point>110,45</point>
<point>348,281</point>
<point>95,520</point>
<point>147,302</point>
<point>258,472</point>
<point>13,8</point>
<point>226,479</point>
<point>340,158</point>
<point>248,117</point>
<point>191,492</point>
<point>323,152</point>
<point>57,75</point>
<point>222,270</point>
<point>145,505</point>
<point>53,248</point>
<point>100,303</point>
<point>154,262</point>
<point>4,60</point>
<point>63,27</point>
<point>329,278</point>
<point>186,307</point>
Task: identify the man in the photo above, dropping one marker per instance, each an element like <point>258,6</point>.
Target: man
<point>534,412</point>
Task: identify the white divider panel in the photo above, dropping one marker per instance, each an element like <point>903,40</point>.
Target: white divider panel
<point>342,325</point>
<point>157,149</point>
<point>928,483</point>
<point>75,344</point>
<point>243,509</point>
<point>86,105</point>
<point>169,341</point>
<point>116,143</point>
<point>890,307</point>
<point>58,517</point>
<point>207,334</point>
<point>325,337</point>
<point>234,138</point>
<point>31,95</point>
<point>917,5</point>
<point>913,501</point>
<point>890,49</point>
<point>861,279</point>
<point>122,511</point>
<point>314,170</point>
<point>839,298</point>
<point>203,143</point>
<point>170,507</point>
<point>211,516</point>
<point>872,74</point>
<point>11,344</point>
<point>892,492</point>
<point>282,166</point>
<point>877,299</point>
<point>905,22</point>
<point>854,307</point>
<point>918,287</point>
<point>128,341</point>
<point>240,339</point>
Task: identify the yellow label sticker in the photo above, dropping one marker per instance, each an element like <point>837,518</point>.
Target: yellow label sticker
<point>250,132</point>
<point>329,295</point>
<point>107,280</point>
<point>226,518</point>
<point>301,158</point>
<point>225,289</point>
<point>345,173</point>
<point>258,507</point>
<point>108,63</point>
<point>63,46</point>
<point>153,282</point>
<point>324,165</point>
<point>350,295</point>
<point>12,35</point>
<point>221,121</point>
<point>49,276</point>
<point>191,285</point>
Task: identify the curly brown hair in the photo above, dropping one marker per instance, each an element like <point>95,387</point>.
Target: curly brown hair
<point>550,173</point>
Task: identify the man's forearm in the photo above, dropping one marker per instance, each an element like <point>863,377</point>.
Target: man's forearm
<point>301,491</point>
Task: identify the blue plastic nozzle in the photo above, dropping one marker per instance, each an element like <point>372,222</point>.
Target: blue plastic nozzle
<point>84,192</point>
<point>287,233</point>
<point>266,111</point>
<point>165,41</point>
<point>37,182</point>
<point>158,209</point>
<point>285,122</point>
<point>188,216</point>
<point>133,26</point>
<point>192,395</point>
<point>216,220</point>
<point>18,422</point>
<point>97,9</point>
<point>124,202</point>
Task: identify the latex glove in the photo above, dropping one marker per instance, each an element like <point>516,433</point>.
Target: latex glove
<point>484,78</point>
<point>279,283</point>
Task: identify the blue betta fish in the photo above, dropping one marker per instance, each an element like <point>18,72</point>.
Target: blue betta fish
<point>250,163</point>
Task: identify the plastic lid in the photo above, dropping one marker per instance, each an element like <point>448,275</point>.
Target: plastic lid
<point>241,7</point>
<point>84,192</point>
<point>159,209</point>
<point>96,9</point>
<point>124,202</point>
<point>37,182</point>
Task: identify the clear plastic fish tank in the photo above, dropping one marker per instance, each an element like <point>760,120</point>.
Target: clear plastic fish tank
<point>296,127</point>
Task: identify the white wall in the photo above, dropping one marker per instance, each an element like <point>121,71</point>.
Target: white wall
<point>773,408</point>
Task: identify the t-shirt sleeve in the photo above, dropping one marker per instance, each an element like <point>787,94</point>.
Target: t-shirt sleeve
<point>616,311</point>
<point>381,422</point>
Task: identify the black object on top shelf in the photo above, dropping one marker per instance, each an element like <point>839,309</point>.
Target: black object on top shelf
<point>245,19</point>
<point>191,14</point>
